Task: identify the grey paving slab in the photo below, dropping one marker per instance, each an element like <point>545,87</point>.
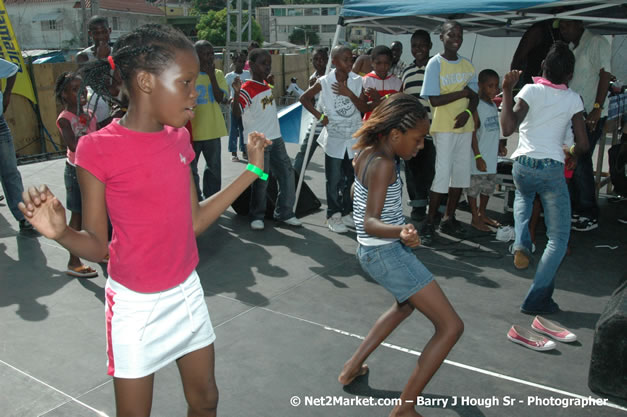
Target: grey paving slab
<point>21,396</point>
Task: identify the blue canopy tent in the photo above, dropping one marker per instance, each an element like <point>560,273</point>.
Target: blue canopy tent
<point>485,17</point>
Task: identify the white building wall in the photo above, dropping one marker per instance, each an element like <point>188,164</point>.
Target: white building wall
<point>67,33</point>
<point>29,33</point>
<point>278,25</point>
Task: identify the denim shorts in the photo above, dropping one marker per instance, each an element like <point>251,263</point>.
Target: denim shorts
<point>72,190</point>
<point>395,267</point>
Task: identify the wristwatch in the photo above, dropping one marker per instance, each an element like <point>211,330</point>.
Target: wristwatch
<point>597,106</point>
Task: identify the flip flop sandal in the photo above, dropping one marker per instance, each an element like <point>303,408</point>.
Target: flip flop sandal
<point>82,271</point>
<point>105,260</point>
<point>1,197</point>
<point>234,159</point>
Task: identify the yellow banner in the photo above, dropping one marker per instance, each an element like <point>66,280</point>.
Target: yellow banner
<point>10,50</point>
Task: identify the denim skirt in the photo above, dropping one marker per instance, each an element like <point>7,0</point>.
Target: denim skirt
<point>395,267</point>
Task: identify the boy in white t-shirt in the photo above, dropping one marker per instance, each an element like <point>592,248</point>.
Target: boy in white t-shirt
<point>255,103</point>
<point>485,149</point>
<point>237,129</point>
<point>342,99</point>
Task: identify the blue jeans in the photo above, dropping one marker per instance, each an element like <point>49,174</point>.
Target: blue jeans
<point>276,161</point>
<point>340,177</point>
<point>583,187</point>
<point>237,131</point>
<point>9,175</point>
<point>546,178</point>
<point>212,177</point>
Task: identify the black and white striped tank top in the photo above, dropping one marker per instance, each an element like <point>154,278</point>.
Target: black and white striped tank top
<point>392,212</point>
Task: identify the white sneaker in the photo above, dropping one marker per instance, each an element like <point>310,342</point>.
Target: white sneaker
<point>336,225</point>
<point>257,225</point>
<point>348,220</point>
<point>293,221</point>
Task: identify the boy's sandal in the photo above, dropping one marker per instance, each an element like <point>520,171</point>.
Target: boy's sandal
<point>234,159</point>
<point>105,260</point>
<point>82,271</point>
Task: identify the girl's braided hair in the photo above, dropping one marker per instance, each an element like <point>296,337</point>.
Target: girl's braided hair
<point>62,81</point>
<point>150,48</point>
<point>399,111</point>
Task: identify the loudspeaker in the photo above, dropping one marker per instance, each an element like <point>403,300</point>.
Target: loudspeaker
<point>307,202</point>
<point>608,364</point>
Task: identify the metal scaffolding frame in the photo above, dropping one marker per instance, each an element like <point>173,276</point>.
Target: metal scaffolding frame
<point>234,8</point>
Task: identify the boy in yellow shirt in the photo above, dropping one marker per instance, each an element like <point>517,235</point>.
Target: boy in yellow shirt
<point>450,85</point>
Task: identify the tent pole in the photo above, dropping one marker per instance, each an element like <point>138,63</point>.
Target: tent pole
<point>336,38</point>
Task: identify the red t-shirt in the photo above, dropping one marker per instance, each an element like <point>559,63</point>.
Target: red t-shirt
<point>147,192</point>
<point>390,85</point>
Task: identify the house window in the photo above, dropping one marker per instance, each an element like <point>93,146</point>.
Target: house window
<point>294,12</point>
<point>283,29</point>
<point>328,28</point>
<point>47,25</point>
<point>278,12</point>
<point>329,11</point>
<point>115,23</point>
<point>314,11</point>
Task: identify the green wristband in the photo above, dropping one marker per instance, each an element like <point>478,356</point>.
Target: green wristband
<point>469,112</point>
<point>322,116</point>
<point>478,156</point>
<point>256,170</point>
<point>572,150</point>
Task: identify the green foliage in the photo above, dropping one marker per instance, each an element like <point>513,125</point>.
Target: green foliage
<point>298,37</point>
<point>203,6</point>
<point>212,27</point>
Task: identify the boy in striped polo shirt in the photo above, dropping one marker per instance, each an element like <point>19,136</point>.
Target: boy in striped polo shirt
<point>419,170</point>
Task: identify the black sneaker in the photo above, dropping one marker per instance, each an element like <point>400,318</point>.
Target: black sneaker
<point>452,227</point>
<point>584,224</point>
<point>418,214</point>
<point>25,226</point>
<point>426,233</point>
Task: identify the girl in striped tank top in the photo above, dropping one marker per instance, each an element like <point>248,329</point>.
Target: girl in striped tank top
<point>396,128</point>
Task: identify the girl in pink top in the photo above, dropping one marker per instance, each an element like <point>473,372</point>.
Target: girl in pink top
<point>73,123</point>
<point>137,171</point>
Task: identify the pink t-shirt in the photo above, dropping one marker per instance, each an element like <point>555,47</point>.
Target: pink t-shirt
<point>147,192</point>
<point>80,127</point>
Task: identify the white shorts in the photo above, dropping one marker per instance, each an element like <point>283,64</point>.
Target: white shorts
<point>452,161</point>
<point>147,331</point>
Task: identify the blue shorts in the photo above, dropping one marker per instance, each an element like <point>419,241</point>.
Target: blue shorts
<point>72,190</point>
<point>395,267</point>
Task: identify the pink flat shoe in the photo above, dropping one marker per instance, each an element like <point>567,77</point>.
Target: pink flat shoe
<point>553,330</point>
<point>529,339</point>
